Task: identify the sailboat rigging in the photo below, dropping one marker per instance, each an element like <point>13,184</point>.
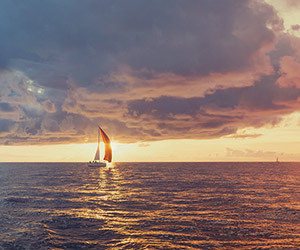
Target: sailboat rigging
<point>108,152</point>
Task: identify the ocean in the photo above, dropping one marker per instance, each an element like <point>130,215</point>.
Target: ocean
<point>150,206</point>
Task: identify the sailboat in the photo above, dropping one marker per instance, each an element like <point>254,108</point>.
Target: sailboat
<point>108,153</point>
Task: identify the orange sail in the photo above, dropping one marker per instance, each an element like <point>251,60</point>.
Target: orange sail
<point>106,140</point>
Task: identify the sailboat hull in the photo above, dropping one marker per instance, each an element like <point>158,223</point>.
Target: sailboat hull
<point>97,164</point>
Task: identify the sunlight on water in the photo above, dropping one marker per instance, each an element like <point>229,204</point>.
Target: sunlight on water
<point>150,206</point>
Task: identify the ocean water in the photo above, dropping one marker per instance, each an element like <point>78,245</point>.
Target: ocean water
<point>150,206</point>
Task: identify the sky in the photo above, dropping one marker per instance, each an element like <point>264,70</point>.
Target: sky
<point>172,80</point>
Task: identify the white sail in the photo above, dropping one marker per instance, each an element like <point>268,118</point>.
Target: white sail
<point>97,154</point>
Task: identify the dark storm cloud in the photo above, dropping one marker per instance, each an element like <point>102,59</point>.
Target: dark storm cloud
<point>6,125</point>
<point>6,107</point>
<point>164,106</point>
<point>263,95</point>
<point>53,40</point>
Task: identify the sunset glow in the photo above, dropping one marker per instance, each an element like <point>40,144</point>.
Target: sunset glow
<point>249,144</point>
<point>220,82</point>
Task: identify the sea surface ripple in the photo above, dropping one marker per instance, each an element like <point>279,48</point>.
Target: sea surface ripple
<point>150,206</point>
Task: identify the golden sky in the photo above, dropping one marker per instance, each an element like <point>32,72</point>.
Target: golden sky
<point>281,141</point>
<point>168,81</point>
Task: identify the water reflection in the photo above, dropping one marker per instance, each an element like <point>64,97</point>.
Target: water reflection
<point>150,206</point>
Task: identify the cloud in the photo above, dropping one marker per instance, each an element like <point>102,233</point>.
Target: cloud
<point>49,106</point>
<point>54,41</point>
<point>6,107</point>
<point>244,136</point>
<point>6,125</point>
<point>255,154</point>
<point>143,70</point>
<point>218,113</point>
<point>289,67</point>
<point>293,3</point>
<point>260,155</point>
<point>295,27</point>
<point>284,47</point>
<point>263,95</point>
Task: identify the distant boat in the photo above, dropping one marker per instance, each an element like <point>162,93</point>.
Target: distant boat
<point>108,153</point>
